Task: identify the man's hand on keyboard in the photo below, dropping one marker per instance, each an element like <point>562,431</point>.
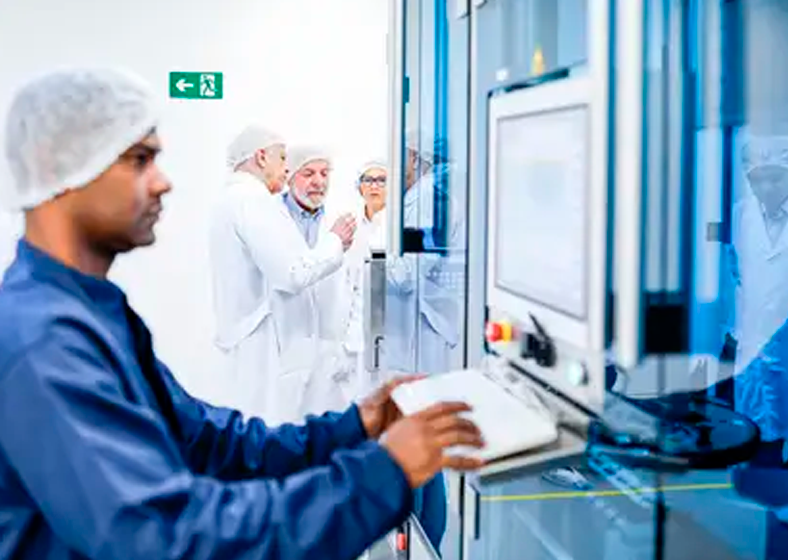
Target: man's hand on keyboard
<point>419,443</point>
<point>378,411</point>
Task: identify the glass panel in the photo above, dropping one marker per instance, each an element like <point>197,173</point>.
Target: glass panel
<point>425,300</point>
<point>425,303</point>
<point>716,192</point>
<point>539,36</point>
<point>736,146</point>
<point>580,512</point>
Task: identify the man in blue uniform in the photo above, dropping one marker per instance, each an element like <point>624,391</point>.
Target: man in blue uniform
<point>102,454</point>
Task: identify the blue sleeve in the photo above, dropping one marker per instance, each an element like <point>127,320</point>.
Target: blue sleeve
<point>110,480</point>
<point>220,443</point>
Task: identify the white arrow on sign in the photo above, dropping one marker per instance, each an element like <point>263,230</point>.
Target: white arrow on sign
<point>183,85</point>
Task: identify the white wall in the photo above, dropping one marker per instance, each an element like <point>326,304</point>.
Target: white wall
<point>314,69</point>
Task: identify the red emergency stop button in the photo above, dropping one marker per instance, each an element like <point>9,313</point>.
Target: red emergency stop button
<point>402,542</point>
<point>498,331</point>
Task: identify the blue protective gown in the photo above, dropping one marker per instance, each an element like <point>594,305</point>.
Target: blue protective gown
<point>103,455</point>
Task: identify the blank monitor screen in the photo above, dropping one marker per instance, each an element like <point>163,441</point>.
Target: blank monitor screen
<point>541,197</point>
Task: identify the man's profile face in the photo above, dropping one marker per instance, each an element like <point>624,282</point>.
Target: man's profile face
<point>119,209</point>
<point>274,164</point>
<point>416,167</point>
<point>310,183</point>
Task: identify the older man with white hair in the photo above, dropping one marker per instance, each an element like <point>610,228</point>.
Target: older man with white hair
<point>260,264</point>
<point>318,374</point>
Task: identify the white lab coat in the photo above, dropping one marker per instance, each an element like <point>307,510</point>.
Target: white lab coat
<point>759,267</point>
<point>313,327</point>
<point>260,265</point>
<point>761,271</point>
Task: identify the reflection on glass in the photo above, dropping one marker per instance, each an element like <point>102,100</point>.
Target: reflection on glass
<point>717,124</point>
<point>542,35</point>
<point>426,290</point>
<point>754,263</point>
<point>758,268</point>
<point>742,175</point>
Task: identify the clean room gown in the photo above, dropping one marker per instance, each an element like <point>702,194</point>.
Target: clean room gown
<point>103,455</point>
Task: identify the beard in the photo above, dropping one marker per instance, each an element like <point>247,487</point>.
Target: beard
<point>309,202</point>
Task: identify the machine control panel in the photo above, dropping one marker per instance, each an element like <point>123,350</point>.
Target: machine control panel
<point>500,331</point>
<point>548,196</point>
<point>535,345</point>
<point>538,346</point>
<point>530,346</point>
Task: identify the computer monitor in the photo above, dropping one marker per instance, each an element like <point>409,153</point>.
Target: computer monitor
<point>541,209</point>
<point>547,236</point>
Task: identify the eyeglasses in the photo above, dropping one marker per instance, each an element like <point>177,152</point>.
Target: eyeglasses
<point>373,180</point>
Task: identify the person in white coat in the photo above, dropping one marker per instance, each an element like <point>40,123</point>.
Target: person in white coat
<point>259,262</point>
<point>371,235</point>
<point>759,271</point>
<point>313,324</point>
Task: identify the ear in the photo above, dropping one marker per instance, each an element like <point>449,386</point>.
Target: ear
<point>259,157</point>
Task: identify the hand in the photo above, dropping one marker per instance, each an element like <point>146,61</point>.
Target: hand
<point>378,410</point>
<point>345,229</point>
<point>417,443</point>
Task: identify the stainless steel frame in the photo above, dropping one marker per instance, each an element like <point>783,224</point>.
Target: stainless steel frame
<point>628,169</point>
<point>396,67</point>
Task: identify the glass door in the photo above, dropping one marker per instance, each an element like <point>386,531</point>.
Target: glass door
<point>740,295</point>
<point>715,192</point>
<point>426,257</point>
<point>426,254</point>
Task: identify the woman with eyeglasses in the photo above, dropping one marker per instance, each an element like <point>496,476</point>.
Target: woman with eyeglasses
<point>372,187</point>
<point>370,235</point>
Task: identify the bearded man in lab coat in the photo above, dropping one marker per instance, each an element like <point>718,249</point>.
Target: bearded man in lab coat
<point>260,263</point>
<point>318,372</point>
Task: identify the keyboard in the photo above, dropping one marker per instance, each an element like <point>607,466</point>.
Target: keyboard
<point>508,424</point>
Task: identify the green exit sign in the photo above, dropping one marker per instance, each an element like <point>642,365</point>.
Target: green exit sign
<point>196,85</point>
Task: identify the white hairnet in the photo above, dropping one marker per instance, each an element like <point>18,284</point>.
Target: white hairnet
<point>372,164</point>
<point>66,128</point>
<point>428,146</point>
<point>251,139</point>
<point>759,151</point>
<point>299,156</point>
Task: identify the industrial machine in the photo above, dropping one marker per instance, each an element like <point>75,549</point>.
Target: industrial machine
<point>567,130</point>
